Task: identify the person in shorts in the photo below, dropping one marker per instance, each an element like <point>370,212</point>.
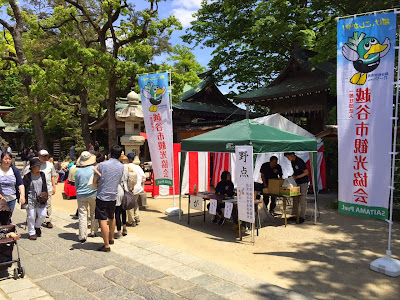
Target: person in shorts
<point>108,178</point>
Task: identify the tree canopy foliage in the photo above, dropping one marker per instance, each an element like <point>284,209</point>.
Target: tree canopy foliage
<point>76,57</point>
<point>253,39</point>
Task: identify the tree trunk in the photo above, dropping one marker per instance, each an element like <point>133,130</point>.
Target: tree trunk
<point>112,128</point>
<point>16,32</point>
<point>83,96</point>
<point>36,117</point>
<point>39,131</point>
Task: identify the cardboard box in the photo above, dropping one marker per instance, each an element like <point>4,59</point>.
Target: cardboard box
<point>293,191</point>
<point>274,185</point>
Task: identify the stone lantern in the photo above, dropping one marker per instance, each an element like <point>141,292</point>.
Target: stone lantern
<point>132,116</point>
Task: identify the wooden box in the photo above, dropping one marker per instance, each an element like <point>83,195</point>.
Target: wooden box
<point>293,191</point>
<point>274,185</point>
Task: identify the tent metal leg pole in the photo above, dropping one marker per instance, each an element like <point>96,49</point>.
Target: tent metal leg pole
<point>313,160</point>
<point>252,233</point>
<point>240,230</point>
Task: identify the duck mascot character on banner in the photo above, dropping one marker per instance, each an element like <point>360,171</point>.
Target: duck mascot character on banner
<point>154,94</point>
<point>365,53</point>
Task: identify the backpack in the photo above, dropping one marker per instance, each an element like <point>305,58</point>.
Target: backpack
<point>132,177</point>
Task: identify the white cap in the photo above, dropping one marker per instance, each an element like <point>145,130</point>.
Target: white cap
<point>43,152</point>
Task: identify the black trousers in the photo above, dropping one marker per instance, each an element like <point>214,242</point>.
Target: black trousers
<point>273,202</point>
<point>120,213</point>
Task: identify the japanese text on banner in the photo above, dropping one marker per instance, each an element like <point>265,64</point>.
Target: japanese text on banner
<point>245,183</point>
<point>365,73</point>
<point>158,122</point>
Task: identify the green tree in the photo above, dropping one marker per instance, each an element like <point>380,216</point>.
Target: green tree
<point>16,53</point>
<point>123,38</point>
<point>253,39</point>
<point>184,70</point>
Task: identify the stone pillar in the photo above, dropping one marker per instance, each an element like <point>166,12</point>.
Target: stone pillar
<point>132,116</point>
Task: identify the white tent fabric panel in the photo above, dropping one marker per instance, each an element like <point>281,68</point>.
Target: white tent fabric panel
<point>280,122</point>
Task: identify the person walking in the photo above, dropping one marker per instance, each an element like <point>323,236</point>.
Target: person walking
<point>11,184</point>
<point>50,172</point>
<point>72,152</point>
<point>85,196</point>
<point>35,183</point>
<point>300,174</point>
<point>96,146</point>
<point>120,214</point>
<point>111,173</point>
<point>138,188</point>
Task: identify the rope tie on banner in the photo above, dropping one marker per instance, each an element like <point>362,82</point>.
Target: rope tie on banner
<point>393,153</point>
<point>394,118</point>
<point>391,187</point>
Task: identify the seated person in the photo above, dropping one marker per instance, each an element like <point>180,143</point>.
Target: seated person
<point>270,170</point>
<point>59,171</point>
<point>224,188</point>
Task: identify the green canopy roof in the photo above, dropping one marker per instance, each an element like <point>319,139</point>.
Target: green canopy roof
<point>263,138</point>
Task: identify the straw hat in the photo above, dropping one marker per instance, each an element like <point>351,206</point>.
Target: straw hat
<point>86,159</point>
<point>123,157</point>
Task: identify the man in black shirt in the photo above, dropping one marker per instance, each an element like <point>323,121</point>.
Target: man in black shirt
<point>270,170</point>
<point>300,174</point>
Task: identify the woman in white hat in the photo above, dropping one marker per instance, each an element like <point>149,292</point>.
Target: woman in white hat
<point>86,197</point>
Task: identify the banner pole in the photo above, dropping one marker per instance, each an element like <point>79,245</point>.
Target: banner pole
<point>172,124</point>
<point>172,211</point>
<point>393,153</point>
<point>388,265</point>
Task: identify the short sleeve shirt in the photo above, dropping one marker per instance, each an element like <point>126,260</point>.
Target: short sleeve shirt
<point>299,166</point>
<point>7,183</point>
<point>82,177</point>
<point>141,177</point>
<point>270,173</point>
<point>49,171</point>
<point>111,173</point>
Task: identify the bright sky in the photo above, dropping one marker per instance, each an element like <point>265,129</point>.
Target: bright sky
<point>183,10</point>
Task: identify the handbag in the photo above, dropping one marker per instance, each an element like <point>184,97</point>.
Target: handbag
<point>42,197</point>
<point>128,201</point>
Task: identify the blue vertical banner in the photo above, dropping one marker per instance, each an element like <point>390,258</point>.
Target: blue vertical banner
<point>154,92</point>
<point>365,75</point>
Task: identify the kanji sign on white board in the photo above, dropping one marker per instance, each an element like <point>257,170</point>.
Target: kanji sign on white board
<point>196,202</point>
<point>245,183</point>
<point>228,210</point>
<point>213,207</point>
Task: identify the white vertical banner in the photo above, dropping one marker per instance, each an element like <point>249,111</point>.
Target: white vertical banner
<point>245,183</point>
<point>365,72</point>
<point>158,122</point>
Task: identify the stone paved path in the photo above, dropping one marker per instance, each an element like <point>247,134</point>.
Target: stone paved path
<point>59,267</point>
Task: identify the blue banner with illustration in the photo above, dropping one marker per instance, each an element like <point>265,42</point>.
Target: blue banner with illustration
<point>365,75</point>
<point>158,122</point>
